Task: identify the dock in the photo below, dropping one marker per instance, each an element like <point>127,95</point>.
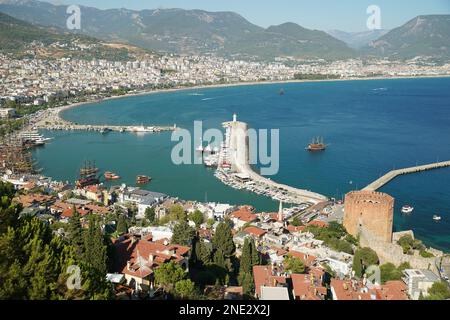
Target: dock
<point>51,120</point>
<point>238,156</point>
<point>106,128</point>
<point>388,177</point>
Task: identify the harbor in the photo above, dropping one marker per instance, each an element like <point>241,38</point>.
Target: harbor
<point>234,170</point>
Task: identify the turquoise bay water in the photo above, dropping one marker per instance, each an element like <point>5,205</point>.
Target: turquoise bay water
<point>371,126</point>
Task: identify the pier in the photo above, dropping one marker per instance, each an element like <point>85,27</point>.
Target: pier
<point>106,128</point>
<point>236,150</point>
<point>377,184</point>
<point>51,120</point>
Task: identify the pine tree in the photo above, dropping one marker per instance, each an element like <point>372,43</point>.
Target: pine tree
<point>223,239</point>
<point>183,234</point>
<point>76,233</point>
<point>246,258</point>
<point>256,256</point>
<point>95,248</point>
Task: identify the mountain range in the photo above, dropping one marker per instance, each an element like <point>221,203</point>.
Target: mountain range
<point>19,38</point>
<point>230,35</point>
<point>357,40</point>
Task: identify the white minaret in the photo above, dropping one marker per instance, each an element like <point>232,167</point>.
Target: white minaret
<point>234,117</point>
<point>280,212</point>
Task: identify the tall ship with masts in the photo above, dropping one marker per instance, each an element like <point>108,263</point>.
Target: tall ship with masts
<point>88,175</point>
<point>317,144</point>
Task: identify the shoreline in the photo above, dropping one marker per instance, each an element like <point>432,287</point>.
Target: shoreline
<point>226,85</point>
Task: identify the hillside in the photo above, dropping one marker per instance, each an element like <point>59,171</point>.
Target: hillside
<point>422,36</point>
<point>22,39</point>
<point>187,31</point>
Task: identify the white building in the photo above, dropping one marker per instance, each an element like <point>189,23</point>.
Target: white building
<point>419,281</point>
<point>6,113</point>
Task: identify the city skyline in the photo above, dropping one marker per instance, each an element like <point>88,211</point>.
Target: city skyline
<point>324,15</point>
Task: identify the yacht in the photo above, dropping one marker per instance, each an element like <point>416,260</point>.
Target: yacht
<point>407,209</point>
<point>34,137</point>
<point>437,218</point>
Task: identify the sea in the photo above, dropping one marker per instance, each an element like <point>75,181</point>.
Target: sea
<point>370,126</point>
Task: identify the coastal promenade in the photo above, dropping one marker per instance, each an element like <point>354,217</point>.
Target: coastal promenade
<point>377,184</point>
<point>238,156</point>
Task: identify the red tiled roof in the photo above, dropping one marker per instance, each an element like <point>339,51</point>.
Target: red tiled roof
<point>293,229</point>
<point>393,290</point>
<point>344,290</point>
<point>138,253</point>
<point>244,215</point>
<point>266,276</point>
<point>318,223</point>
<point>307,287</point>
<point>255,231</point>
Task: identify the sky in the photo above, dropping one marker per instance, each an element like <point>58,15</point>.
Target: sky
<point>346,15</point>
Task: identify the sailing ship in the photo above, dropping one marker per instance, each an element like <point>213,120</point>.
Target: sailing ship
<point>317,144</point>
<point>88,175</point>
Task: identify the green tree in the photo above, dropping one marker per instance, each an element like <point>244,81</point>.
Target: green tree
<point>197,217</point>
<point>122,225</point>
<point>150,215</point>
<point>177,213</point>
<point>223,239</point>
<point>362,259</point>
<point>246,257</point>
<point>390,272</point>
<point>297,222</point>
<point>256,255</point>
<point>185,289</point>
<point>95,249</point>
<point>294,264</point>
<point>248,286</point>
<point>438,291</point>
<point>183,234</point>
<point>168,274</point>
<point>203,253</point>
<point>75,232</point>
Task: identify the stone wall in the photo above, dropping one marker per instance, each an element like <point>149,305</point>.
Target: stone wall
<point>391,252</point>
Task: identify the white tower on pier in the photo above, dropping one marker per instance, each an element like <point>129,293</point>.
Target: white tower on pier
<point>234,117</point>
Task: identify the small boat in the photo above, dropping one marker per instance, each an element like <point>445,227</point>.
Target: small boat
<point>407,209</point>
<point>142,179</point>
<point>437,218</point>
<point>111,176</point>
